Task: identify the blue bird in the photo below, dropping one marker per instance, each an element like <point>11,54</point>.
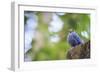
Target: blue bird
<point>74,39</point>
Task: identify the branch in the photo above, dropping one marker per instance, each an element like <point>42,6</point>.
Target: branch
<point>81,51</point>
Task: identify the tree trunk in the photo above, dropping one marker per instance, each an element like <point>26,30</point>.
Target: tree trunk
<point>81,51</point>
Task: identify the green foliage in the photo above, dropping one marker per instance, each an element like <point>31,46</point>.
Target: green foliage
<point>25,18</point>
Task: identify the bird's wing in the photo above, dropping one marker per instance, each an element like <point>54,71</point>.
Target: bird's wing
<point>76,37</point>
<point>72,41</point>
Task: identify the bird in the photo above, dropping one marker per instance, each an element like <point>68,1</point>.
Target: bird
<point>74,39</point>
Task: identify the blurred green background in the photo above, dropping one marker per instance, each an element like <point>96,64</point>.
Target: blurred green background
<point>52,28</point>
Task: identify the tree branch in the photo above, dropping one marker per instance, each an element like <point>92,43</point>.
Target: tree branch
<point>81,51</point>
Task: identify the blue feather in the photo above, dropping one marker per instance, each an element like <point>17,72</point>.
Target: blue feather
<point>74,39</point>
